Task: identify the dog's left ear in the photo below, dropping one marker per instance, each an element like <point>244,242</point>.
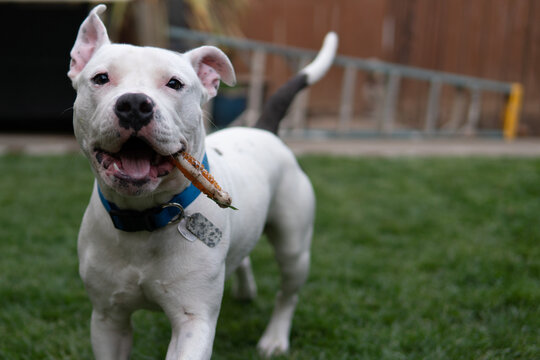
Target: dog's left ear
<point>211,65</point>
<point>92,35</point>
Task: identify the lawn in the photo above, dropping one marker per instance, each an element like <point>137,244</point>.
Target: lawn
<point>412,259</point>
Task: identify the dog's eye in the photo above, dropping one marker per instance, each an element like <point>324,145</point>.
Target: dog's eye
<point>101,79</point>
<point>175,84</point>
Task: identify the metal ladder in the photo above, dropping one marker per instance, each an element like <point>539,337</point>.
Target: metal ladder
<point>394,74</point>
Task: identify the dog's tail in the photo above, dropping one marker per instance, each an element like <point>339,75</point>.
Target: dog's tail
<point>275,108</point>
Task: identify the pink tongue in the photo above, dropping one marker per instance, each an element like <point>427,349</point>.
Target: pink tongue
<point>136,167</point>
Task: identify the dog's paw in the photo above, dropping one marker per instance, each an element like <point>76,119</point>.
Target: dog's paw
<point>273,344</point>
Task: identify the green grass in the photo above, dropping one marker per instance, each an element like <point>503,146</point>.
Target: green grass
<point>412,259</point>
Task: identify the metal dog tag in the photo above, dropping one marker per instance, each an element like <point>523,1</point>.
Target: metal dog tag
<point>197,226</point>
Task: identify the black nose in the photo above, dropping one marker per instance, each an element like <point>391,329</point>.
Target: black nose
<point>134,111</point>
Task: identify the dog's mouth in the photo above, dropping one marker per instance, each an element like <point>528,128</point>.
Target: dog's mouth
<point>136,162</point>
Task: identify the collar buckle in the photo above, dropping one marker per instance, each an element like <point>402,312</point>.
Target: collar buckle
<point>178,216</point>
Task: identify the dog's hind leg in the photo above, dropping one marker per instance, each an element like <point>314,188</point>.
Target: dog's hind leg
<point>244,286</point>
<point>289,231</point>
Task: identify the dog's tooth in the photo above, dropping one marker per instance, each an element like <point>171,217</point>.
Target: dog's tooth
<point>116,166</point>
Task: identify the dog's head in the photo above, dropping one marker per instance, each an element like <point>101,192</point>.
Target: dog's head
<point>137,105</point>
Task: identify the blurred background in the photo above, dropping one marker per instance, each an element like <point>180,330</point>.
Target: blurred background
<point>423,67</point>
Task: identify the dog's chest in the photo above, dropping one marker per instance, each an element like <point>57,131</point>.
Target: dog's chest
<point>139,270</point>
<point>121,275</point>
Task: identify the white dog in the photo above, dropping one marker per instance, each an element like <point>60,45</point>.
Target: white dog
<point>148,239</point>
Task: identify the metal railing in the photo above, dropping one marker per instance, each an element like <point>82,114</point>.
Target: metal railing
<point>394,75</point>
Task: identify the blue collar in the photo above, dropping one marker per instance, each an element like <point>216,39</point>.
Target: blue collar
<point>156,217</point>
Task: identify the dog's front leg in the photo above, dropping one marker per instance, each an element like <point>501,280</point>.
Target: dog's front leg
<point>192,306</point>
<point>111,336</point>
<point>192,338</point>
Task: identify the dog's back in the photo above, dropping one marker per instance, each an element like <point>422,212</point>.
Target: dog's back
<point>262,173</point>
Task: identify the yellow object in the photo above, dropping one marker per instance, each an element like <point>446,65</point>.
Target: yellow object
<point>511,113</point>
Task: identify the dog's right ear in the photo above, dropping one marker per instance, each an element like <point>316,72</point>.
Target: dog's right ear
<point>92,35</point>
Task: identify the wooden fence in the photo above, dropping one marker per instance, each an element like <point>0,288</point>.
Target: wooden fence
<point>495,39</point>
